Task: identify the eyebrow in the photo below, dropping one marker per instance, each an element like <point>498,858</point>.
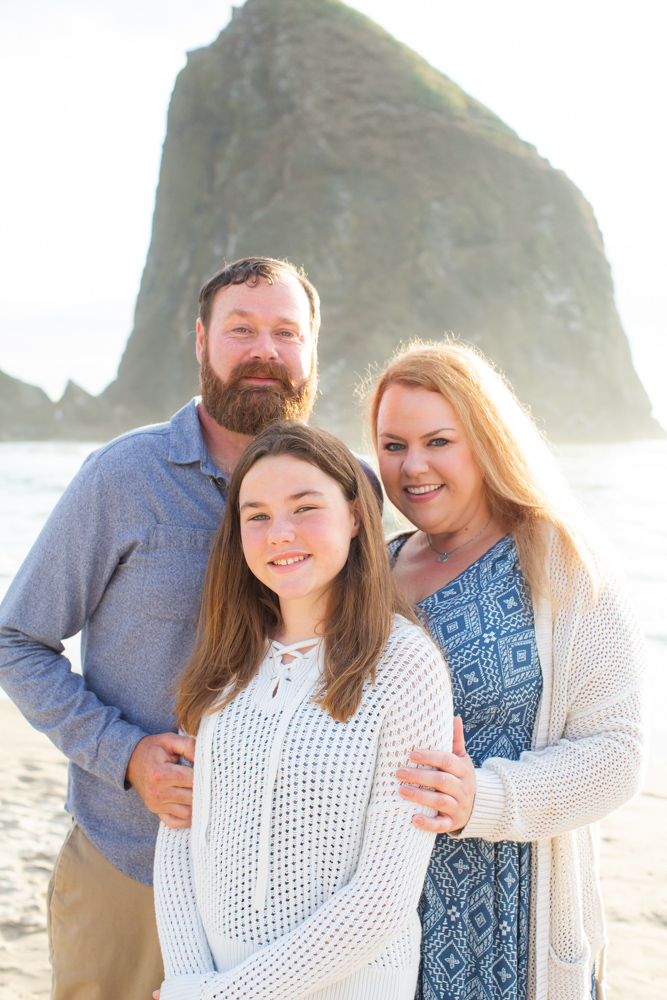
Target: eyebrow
<point>248,313</point>
<point>293,497</point>
<point>307,493</point>
<point>397,437</point>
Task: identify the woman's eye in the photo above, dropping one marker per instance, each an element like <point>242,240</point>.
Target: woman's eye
<point>394,446</point>
<point>259,517</point>
<point>300,510</point>
<point>438,442</point>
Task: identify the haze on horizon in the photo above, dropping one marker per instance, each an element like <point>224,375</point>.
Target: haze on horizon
<point>87,88</point>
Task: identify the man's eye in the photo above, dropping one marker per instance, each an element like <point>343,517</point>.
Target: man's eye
<point>394,446</point>
<point>241,329</point>
<point>287,333</point>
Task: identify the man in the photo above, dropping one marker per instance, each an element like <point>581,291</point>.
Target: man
<point>122,558</point>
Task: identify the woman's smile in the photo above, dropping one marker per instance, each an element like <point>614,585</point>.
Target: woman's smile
<point>418,494</point>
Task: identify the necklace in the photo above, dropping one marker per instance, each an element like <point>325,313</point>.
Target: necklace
<point>444,556</point>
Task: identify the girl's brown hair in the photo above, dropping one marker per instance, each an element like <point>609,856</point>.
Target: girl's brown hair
<point>239,613</point>
<point>525,490</point>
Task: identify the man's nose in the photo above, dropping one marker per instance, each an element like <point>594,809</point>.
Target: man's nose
<point>264,347</point>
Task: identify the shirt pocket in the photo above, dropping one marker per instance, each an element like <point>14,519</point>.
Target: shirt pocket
<point>175,563</point>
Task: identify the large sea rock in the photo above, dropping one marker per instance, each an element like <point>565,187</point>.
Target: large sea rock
<point>306,131</point>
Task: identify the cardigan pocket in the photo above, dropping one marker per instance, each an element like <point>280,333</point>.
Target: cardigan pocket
<point>571,979</point>
<point>576,924</point>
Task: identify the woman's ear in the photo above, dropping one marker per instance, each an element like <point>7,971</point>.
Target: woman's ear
<point>356,515</point>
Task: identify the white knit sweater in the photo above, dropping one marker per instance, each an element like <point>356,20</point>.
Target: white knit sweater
<point>302,871</point>
<point>585,763</point>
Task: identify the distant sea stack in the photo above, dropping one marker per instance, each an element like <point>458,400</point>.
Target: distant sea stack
<point>306,131</point>
<point>27,414</point>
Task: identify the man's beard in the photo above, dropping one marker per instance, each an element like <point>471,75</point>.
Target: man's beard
<point>248,409</point>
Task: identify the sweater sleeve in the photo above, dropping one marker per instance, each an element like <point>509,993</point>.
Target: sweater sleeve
<point>185,950</point>
<point>592,762</point>
<point>359,920</point>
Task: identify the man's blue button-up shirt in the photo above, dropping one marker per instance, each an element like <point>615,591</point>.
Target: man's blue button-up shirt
<point>122,559</point>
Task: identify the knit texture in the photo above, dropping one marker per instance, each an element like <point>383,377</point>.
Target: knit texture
<point>302,871</point>
<point>586,762</point>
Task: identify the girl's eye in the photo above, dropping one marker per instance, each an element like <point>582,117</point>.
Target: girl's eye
<point>259,517</point>
<point>300,510</point>
<point>438,442</point>
<point>394,446</point>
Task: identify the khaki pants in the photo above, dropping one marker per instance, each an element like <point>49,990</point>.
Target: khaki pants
<point>103,939</point>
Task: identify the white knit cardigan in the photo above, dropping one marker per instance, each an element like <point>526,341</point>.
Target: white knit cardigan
<point>302,870</point>
<point>585,762</point>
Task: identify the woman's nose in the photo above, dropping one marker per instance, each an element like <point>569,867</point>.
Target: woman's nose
<point>415,462</point>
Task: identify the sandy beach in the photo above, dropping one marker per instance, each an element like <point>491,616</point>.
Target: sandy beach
<point>33,825</point>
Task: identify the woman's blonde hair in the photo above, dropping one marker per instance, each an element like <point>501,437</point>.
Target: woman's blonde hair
<point>525,490</point>
<point>239,613</point>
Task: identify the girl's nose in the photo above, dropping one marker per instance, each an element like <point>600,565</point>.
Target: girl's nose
<point>282,530</point>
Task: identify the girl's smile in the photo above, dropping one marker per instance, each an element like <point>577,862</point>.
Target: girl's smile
<point>286,562</point>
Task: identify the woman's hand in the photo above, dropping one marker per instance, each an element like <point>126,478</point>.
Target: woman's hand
<point>450,788</point>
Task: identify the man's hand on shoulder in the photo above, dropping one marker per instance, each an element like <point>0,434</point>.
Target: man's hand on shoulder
<point>164,785</point>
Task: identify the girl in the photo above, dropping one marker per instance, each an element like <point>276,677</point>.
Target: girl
<point>310,684</point>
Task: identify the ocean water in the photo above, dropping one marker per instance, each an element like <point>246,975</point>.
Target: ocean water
<point>621,486</point>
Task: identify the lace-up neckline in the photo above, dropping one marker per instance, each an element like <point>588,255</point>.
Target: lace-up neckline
<point>297,653</point>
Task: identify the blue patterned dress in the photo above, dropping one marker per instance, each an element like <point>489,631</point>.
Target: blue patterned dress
<point>476,897</point>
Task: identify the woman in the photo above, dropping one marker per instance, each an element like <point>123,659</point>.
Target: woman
<point>545,658</point>
<point>310,684</point>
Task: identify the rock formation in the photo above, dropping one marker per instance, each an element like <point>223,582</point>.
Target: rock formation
<point>306,131</point>
<point>26,412</point>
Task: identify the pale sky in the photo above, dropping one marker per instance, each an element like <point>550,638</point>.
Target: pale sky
<point>85,89</point>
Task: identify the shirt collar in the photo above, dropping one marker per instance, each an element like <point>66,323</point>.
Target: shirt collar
<point>186,441</point>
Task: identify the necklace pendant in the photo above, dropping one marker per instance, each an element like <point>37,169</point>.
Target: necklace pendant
<point>444,557</point>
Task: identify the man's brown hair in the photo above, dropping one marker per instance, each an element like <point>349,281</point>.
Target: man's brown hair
<point>248,271</point>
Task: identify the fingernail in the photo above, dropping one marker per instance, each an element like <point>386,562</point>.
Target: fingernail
<point>405,792</point>
<point>416,755</point>
<point>418,821</point>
